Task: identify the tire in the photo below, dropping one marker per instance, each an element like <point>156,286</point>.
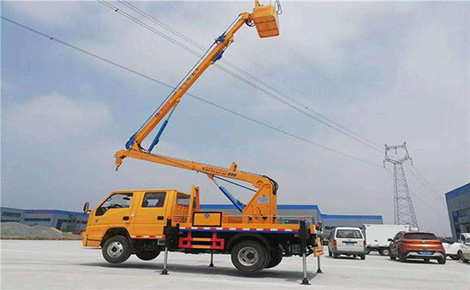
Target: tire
<point>148,255</point>
<point>363,256</point>
<point>116,249</point>
<point>453,257</point>
<point>426,259</point>
<point>442,260</point>
<point>384,252</point>
<point>392,257</point>
<point>276,258</point>
<point>368,250</point>
<point>354,256</point>
<point>401,257</point>
<point>335,255</point>
<point>249,256</point>
<point>462,257</point>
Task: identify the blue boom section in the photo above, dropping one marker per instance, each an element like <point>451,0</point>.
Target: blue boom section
<point>238,204</point>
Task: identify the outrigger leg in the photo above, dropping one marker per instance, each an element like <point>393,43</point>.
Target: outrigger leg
<point>303,250</point>
<point>212,260</point>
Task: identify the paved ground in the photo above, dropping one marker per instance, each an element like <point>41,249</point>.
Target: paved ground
<point>67,265</point>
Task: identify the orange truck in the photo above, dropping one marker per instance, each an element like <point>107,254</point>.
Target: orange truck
<point>145,222</point>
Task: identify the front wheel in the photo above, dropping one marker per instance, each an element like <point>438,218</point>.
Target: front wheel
<point>148,255</point>
<point>402,257</point>
<point>116,249</point>
<point>441,260</point>
<point>249,256</point>
<point>363,256</point>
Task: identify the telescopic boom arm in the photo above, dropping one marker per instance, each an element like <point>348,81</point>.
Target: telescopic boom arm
<point>262,208</point>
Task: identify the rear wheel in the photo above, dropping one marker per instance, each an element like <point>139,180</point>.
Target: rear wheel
<point>392,257</point>
<point>441,260</point>
<point>116,249</point>
<point>384,252</point>
<point>363,256</point>
<point>276,258</point>
<point>402,257</point>
<point>335,255</point>
<point>148,255</point>
<point>249,256</point>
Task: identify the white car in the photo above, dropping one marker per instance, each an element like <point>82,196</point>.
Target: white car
<point>460,249</point>
<point>347,241</point>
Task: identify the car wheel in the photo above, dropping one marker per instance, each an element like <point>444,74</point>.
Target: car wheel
<point>454,257</point>
<point>329,253</point>
<point>392,257</point>
<point>462,257</point>
<point>368,250</point>
<point>384,252</point>
<point>249,256</point>
<point>276,258</point>
<point>441,260</point>
<point>335,255</point>
<point>148,255</point>
<point>426,259</point>
<point>354,256</point>
<point>402,257</point>
<point>116,249</point>
<point>363,256</point>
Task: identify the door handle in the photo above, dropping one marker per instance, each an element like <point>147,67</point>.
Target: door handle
<point>160,217</point>
<point>125,218</point>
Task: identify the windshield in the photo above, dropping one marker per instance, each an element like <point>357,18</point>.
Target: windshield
<point>420,236</point>
<point>349,234</point>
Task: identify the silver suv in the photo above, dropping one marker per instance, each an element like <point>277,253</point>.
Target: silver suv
<point>347,241</point>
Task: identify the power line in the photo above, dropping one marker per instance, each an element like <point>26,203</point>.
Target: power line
<point>189,94</point>
<point>301,108</point>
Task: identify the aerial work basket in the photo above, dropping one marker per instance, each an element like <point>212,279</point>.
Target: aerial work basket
<point>265,19</point>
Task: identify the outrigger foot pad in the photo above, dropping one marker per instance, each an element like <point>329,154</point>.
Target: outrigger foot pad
<point>305,281</point>
<point>164,272</point>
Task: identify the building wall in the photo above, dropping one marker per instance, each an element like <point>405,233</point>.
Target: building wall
<point>332,221</point>
<point>59,219</point>
<point>458,207</point>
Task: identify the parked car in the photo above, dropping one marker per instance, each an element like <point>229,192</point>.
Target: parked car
<point>454,248</point>
<point>417,245</point>
<point>377,236</point>
<point>464,251</point>
<point>347,241</point>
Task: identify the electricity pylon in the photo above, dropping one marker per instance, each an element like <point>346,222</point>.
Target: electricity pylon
<point>404,212</point>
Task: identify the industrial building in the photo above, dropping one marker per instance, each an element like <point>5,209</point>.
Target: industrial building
<point>458,207</point>
<point>287,213</point>
<point>67,221</point>
<point>291,212</point>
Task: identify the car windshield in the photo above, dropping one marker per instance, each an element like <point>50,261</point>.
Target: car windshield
<point>420,236</point>
<point>349,234</point>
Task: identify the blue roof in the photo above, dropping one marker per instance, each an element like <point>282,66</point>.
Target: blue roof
<point>464,189</point>
<point>350,216</point>
<point>281,206</point>
<point>53,211</point>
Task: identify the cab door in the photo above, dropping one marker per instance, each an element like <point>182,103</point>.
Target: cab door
<point>114,212</point>
<point>150,214</point>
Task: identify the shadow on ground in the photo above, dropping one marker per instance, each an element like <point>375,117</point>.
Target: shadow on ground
<point>291,276</point>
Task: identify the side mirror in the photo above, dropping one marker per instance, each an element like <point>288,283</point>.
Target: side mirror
<point>86,208</point>
<point>390,240</point>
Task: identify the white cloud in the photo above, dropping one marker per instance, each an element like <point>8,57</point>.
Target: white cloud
<point>50,117</point>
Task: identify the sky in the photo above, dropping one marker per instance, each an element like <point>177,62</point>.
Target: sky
<point>388,71</point>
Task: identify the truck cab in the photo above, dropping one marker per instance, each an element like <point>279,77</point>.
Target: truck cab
<point>138,214</point>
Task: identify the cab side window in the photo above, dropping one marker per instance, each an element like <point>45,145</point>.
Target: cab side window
<point>397,236</point>
<point>154,199</point>
<point>118,200</point>
<point>182,199</point>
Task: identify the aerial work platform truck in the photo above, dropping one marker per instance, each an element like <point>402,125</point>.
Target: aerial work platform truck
<point>146,222</point>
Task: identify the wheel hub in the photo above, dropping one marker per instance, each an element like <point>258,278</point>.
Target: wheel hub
<point>248,256</point>
<point>115,249</point>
